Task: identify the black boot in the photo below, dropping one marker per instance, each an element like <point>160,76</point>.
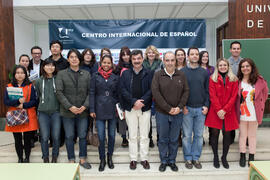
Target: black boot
<point>250,158</point>
<point>102,165</point>
<point>242,161</point>
<point>225,162</point>
<point>46,160</point>
<point>110,162</point>
<point>20,160</point>
<point>216,161</point>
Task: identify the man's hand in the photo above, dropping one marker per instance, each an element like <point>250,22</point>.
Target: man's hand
<point>204,110</point>
<point>74,109</point>
<point>185,111</point>
<point>81,109</point>
<point>138,104</point>
<point>93,115</point>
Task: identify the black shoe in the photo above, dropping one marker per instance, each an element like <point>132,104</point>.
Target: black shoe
<point>173,167</point>
<point>124,142</point>
<point>242,161</point>
<point>26,160</point>
<point>102,165</point>
<point>46,160</point>
<point>110,162</point>
<point>225,162</point>
<point>162,167</point>
<point>54,159</point>
<point>216,162</point>
<point>250,158</point>
<point>151,143</point>
<point>20,160</point>
<point>86,165</point>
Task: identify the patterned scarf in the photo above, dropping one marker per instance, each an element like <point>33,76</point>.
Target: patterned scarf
<point>105,74</point>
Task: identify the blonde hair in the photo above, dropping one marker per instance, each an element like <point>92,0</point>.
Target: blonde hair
<point>154,49</point>
<point>230,74</point>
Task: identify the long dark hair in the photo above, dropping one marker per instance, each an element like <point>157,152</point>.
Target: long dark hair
<point>254,71</point>
<point>124,50</point>
<point>185,61</point>
<point>14,81</point>
<point>93,56</point>
<point>48,61</point>
<point>200,59</point>
<point>104,49</point>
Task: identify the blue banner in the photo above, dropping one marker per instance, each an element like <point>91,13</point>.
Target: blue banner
<point>114,34</point>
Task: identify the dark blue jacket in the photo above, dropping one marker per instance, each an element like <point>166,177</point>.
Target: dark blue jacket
<point>126,80</point>
<point>103,96</point>
<point>92,69</point>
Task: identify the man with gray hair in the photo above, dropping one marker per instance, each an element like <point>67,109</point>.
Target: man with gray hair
<point>170,91</point>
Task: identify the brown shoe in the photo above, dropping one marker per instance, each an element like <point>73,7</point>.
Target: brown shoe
<point>133,165</point>
<point>145,164</point>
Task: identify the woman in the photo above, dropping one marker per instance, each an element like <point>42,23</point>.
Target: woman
<point>24,60</point>
<point>223,86</point>
<point>123,64</point>
<point>89,61</point>
<point>252,94</point>
<point>22,133</point>
<point>180,56</point>
<point>153,63</point>
<point>103,99</point>
<point>105,51</point>
<point>72,90</point>
<point>204,62</point>
<point>48,110</point>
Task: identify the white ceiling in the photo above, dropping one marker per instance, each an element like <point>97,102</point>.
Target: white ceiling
<point>123,11</point>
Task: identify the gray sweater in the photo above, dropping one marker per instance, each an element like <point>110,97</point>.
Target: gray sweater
<point>72,91</point>
<point>198,81</point>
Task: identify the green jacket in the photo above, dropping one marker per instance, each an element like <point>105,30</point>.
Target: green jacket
<point>155,64</point>
<point>71,92</point>
<point>48,102</point>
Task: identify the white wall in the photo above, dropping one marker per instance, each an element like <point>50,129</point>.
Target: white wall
<point>42,38</point>
<point>222,18</point>
<point>24,36</point>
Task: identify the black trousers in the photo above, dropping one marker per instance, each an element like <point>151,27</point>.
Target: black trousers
<point>23,142</point>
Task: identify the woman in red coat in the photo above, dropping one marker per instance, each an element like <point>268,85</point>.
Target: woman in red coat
<point>223,87</point>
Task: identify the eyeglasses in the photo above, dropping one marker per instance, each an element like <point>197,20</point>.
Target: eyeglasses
<point>36,53</point>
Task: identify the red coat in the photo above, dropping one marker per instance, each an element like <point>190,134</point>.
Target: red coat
<point>261,94</point>
<point>222,97</point>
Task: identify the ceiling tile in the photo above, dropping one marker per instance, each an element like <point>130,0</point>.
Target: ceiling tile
<point>211,11</point>
<point>100,12</point>
<point>189,11</point>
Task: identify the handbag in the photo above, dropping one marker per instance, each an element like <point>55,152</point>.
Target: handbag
<point>17,117</point>
<point>92,136</point>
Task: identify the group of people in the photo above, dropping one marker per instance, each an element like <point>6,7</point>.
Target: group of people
<point>183,91</point>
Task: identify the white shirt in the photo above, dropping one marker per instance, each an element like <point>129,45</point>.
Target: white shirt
<point>36,69</point>
<point>247,108</point>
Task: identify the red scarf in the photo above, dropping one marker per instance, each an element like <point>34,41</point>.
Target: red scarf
<point>105,74</point>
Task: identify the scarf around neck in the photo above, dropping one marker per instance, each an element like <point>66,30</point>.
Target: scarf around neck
<point>105,74</point>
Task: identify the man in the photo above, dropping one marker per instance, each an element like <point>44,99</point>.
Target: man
<point>36,61</point>
<point>234,60</point>
<point>195,110</point>
<point>72,90</point>
<point>136,95</point>
<point>170,91</point>
<point>56,48</point>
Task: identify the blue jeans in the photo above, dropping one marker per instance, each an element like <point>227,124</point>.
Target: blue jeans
<point>82,125</point>
<point>168,128</point>
<point>193,123</point>
<point>50,124</point>
<point>101,126</point>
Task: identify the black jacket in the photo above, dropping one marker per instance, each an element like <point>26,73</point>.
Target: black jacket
<point>61,63</point>
<point>127,102</point>
<point>103,96</point>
